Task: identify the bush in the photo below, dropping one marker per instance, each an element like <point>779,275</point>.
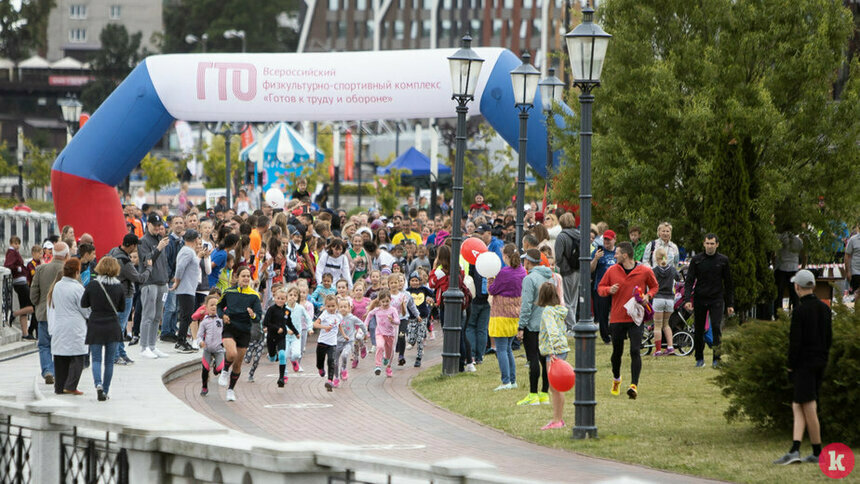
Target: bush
<point>755,377</point>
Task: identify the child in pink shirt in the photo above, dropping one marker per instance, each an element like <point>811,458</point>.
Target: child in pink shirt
<point>359,310</point>
<point>387,325</point>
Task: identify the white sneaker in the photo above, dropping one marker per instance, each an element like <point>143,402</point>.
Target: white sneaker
<point>471,368</point>
<point>432,335</point>
<point>195,344</point>
<point>224,379</point>
<point>301,370</point>
<point>503,386</point>
<point>147,353</point>
<point>373,349</point>
<point>408,347</point>
<point>159,353</point>
<point>231,396</point>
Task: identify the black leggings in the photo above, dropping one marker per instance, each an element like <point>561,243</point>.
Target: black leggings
<point>400,347</point>
<point>619,331</point>
<point>325,354</point>
<point>537,364</point>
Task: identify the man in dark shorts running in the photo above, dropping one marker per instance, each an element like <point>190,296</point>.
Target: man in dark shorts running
<point>808,350</point>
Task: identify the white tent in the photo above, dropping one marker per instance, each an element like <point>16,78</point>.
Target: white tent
<point>6,64</point>
<point>67,63</point>
<point>34,62</point>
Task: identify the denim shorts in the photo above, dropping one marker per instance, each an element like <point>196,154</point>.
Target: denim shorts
<point>661,305</point>
<point>560,356</point>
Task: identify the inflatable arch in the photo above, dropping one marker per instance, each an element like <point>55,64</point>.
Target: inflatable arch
<point>266,87</point>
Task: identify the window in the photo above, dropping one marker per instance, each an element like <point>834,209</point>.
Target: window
<point>78,35</point>
<point>536,23</point>
<point>447,4</point>
<point>78,11</point>
<point>428,4</point>
<point>333,4</point>
<point>527,3</point>
<point>368,31</point>
<point>426,28</point>
<point>341,29</point>
<point>398,29</point>
<point>524,28</point>
<point>356,29</point>
<point>361,4</point>
<point>476,31</point>
<point>497,27</point>
<point>115,11</point>
<point>509,3</point>
<point>446,29</point>
<point>413,31</point>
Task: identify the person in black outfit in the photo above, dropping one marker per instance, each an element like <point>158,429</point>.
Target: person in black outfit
<point>105,296</point>
<point>710,277</point>
<point>277,321</point>
<point>808,350</point>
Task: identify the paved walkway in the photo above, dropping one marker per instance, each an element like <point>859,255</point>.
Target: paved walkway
<point>385,417</point>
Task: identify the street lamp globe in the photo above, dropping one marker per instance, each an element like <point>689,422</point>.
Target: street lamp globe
<point>465,68</point>
<point>587,45</point>
<point>525,80</point>
<point>551,89</point>
<point>71,108</point>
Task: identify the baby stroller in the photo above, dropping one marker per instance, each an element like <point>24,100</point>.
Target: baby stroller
<point>680,321</point>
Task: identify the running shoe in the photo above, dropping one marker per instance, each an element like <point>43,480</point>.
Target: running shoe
<point>286,379</point>
<point>810,459</point>
<point>789,458</point>
<point>616,387</point>
<point>377,371</point>
<point>301,370</point>
<point>471,368</point>
<point>354,364</point>
<point>544,398</point>
<point>231,396</point>
<point>659,353</point>
<point>363,352</point>
<point>322,372</point>
<point>204,391</point>
<point>432,335</point>
<point>134,340</point>
<point>224,379</point>
<point>373,349</point>
<point>670,351</point>
<point>328,386</point>
<point>250,378</point>
<point>126,359</point>
<point>700,363</point>
<point>385,361</point>
<point>100,393</point>
<point>120,362</point>
<point>401,361</point>
<point>147,353</point>
<point>530,399</point>
<point>417,363</point>
<point>336,383</point>
<point>503,386</point>
<point>295,365</point>
<point>632,392</point>
<point>514,385</point>
<point>716,364</point>
<point>195,344</point>
<point>73,392</point>
<point>273,358</point>
<point>343,374</point>
<point>388,372</point>
<point>409,347</point>
<point>553,425</point>
<point>159,353</point>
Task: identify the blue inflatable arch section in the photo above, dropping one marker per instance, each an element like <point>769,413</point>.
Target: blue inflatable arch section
<point>266,87</point>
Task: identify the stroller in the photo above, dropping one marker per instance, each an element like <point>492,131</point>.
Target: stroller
<point>679,322</point>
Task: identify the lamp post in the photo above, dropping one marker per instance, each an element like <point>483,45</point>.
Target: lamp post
<point>71,109</point>
<point>236,34</point>
<point>465,68</point>
<point>525,81</point>
<point>227,129</point>
<point>550,92</point>
<point>586,45</point>
<point>193,39</point>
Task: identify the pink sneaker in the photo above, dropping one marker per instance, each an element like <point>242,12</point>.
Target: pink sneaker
<point>388,372</point>
<point>322,372</point>
<point>553,425</point>
<point>286,378</point>
<point>660,353</point>
<point>354,364</point>
<point>336,383</point>
<point>363,354</point>
<point>343,374</point>
<point>295,366</point>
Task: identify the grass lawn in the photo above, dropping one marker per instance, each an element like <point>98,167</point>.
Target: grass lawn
<point>676,424</point>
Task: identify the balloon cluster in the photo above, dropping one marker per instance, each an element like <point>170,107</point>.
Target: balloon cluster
<point>475,252</point>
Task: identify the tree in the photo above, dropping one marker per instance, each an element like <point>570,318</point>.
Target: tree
<point>24,29</point>
<point>37,164</point>
<point>215,164</point>
<point>119,54</point>
<point>260,19</point>
<point>390,191</point>
<point>718,116</point>
<point>7,160</point>
<point>160,173</point>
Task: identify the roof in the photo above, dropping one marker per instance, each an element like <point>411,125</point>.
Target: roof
<point>67,63</point>
<point>6,63</point>
<point>34,62</point>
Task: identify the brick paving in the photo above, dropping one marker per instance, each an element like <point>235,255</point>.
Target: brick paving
<point>384,415</point>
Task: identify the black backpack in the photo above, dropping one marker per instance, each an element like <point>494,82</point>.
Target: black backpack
<point>571,258</point>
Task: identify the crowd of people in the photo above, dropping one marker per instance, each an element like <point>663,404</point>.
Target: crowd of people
<point>235,283</point>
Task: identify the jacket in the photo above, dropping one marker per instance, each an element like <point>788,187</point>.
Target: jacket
<point>811,334</point>
<point>552,339</point>
<point>530,312</point>
<point>146,250</point>
<point>210,332</point>
<point>641,276</point>
<point>566,245</point>
<point>128,273</point>
<point>235,303</point>
<point>279,317</point>
<point>508,282</point>
<point>67,320</point>
<point>172,252</point>
<point>15,263</point>
<point>42,280</point>
<point>103,323</point>
<point>666,277</point>
<point>187,271</point>
<point>711,277</point>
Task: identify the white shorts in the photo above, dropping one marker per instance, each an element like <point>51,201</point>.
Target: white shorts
<point>663,305</point>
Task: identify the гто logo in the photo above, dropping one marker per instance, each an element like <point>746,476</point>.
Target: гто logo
<point>222,67</point>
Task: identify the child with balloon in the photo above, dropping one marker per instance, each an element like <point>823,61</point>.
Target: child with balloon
<point>553,346</point>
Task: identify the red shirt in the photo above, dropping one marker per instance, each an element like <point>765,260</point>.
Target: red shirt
<point>641,276</point>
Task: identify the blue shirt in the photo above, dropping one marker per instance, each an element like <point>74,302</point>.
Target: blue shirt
<point>219,260</point>
<point>496,246</point>
<point>603,264</point>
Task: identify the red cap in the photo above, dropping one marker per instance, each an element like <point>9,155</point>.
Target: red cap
<point>539,217</point>
<point>609,234</point>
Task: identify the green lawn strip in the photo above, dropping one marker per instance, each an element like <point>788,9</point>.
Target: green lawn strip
<point>676,424</point>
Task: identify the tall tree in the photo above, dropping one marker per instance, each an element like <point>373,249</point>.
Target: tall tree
<point>718,116</point>
<point>24,30</point>
<point>258,18</point>
<point>119,54</point>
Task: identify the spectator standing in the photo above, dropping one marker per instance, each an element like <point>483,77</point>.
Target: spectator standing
<point>709,285</point>
<point>786,263</point>
<point>154,290</point>
<point>852,263</point>
<point>567,262</point>
<point>15,263</point>
<point>67,323</point>
<point>186,279</point>
<point>128,277</point>
<point>635,235</point>
<point>45,276</point>
<point>529,327</point>
<point>106,298</point>
<point>506,289</point>
<point>168,324</point>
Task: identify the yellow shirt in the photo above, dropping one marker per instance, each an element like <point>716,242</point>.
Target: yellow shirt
<point>413,236</point>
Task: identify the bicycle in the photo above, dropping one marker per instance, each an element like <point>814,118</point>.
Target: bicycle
<point>682,341</point>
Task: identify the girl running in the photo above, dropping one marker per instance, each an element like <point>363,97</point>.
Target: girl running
<point>359,310</point>
<point>387,323</point>
<point>405,305</point>
<point>240,309</point>
<point>351,329</point>
<point>328,321</point>
<point>278,323</point>
<point>301,321</point>
<point>209,337</point>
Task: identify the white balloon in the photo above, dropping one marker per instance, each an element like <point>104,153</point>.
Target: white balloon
<point>488,264</point>
<point>275,198</point>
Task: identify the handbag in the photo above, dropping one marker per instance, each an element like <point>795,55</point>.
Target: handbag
<point>115,312</point>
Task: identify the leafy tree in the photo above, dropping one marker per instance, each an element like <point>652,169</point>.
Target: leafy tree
<point>7,160</point>
<point>215,163</point>
<point>24,29</point>
<point>119,54</point>
<point>37,164</point>
<point>718,116</point>
<point>390,190</point>
<point>160,173</point>
<point>258,18</point>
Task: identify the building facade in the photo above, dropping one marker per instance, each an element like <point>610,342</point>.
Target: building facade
<point>74,26</point>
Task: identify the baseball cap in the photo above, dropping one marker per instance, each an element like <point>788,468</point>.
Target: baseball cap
<point>414,275</point>
<point>609,234</point>
<point>48,245</point>
<point>292,229</point>
<point>154,219</point>
<point>484,228</point>
<point>804,279</point>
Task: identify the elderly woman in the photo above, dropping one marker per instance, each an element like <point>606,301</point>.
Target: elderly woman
<point>67,324</point>
<point>106,298</point>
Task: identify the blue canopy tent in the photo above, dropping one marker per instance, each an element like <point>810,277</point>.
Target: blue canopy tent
<point>417,164</point>
<point>282,154</point>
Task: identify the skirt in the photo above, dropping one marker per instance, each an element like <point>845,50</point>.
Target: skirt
<point>504,316</point>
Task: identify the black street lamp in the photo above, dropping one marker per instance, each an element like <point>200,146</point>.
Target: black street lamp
<point>465,68</point>
<point>586,45</point>
<point>524,80</point>
<point>71,109</point>
<point>227,129</point>
<point>551,89</point>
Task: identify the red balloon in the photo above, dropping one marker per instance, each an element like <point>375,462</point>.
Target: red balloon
<point>472,248</point>
<point>561,375</point>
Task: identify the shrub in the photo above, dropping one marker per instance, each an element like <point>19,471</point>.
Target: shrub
<point>755,377</point>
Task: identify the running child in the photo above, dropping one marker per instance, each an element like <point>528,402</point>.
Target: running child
<point>209,335</point>
<point>351,329</point>
<point>387,323</point>
<point>359,310</point>
<point>553,344</point>
<point>328,321</point>
<point>405,305</point>
<point>342,288</point>
<point>324,289</point>
<point>308,327</point>
<point>302,320</point>
<point>416,331</point>
<point>375,284</point>
<point>277,323</point>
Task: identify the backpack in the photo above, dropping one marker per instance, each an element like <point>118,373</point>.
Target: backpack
<point>571,257</point>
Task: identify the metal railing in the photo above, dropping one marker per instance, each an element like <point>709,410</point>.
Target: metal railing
<point>15,444</point>
<point>89,461</point>
<point>31,227</point>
